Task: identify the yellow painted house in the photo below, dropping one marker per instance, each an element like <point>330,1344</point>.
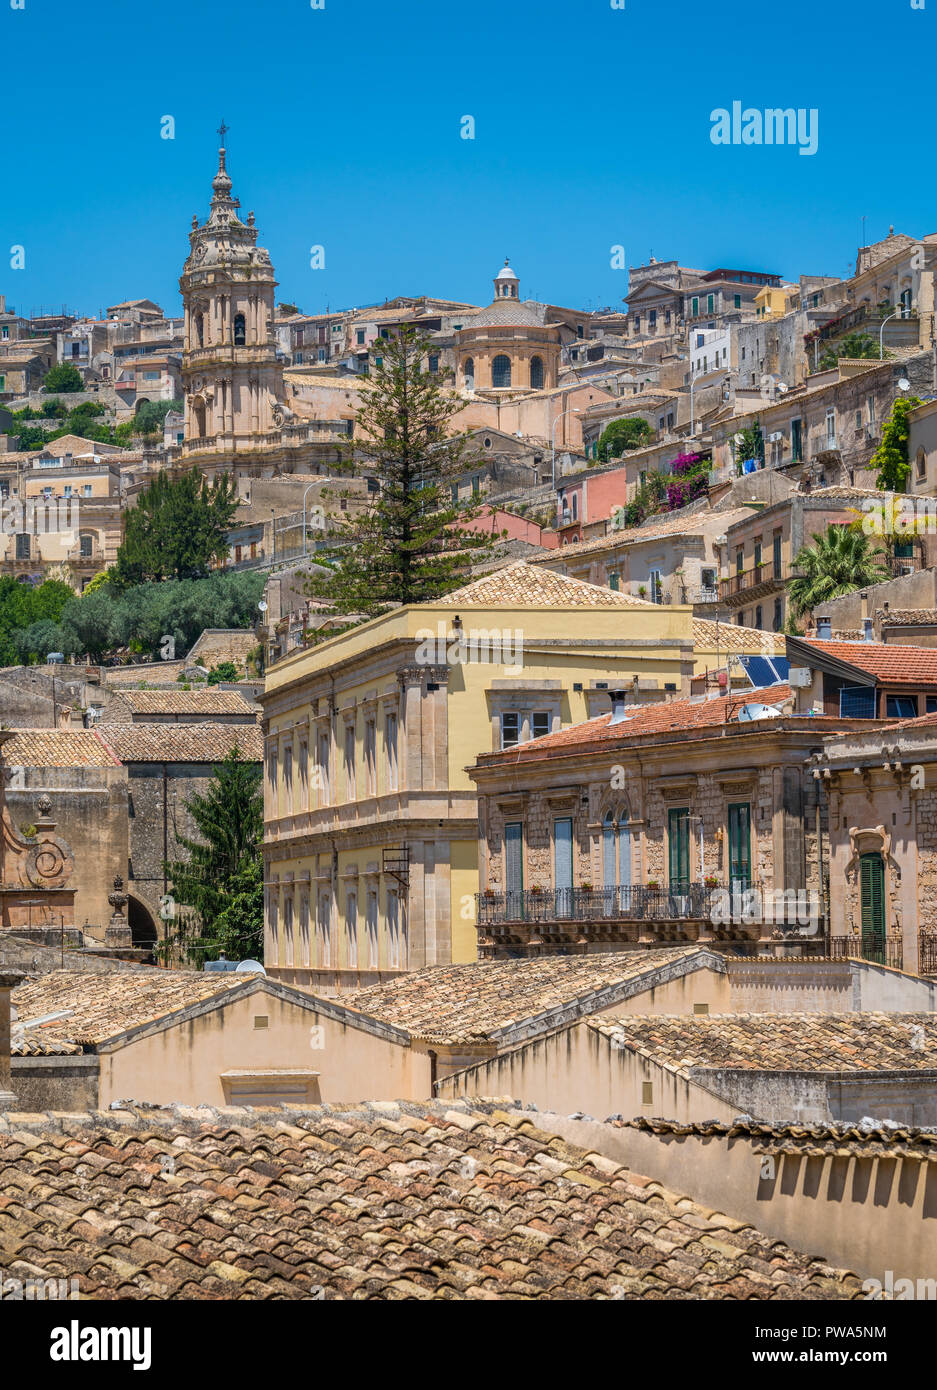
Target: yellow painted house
<point>371,825</point>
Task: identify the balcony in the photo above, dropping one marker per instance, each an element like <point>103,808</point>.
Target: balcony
<point>702,594</point>
<point>752,583</point>
<point>94,556</point>
<point>635,903</point>
<point>581,920</point>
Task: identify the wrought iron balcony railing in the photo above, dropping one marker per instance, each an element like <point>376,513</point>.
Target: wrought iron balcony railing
<point>636,902</point>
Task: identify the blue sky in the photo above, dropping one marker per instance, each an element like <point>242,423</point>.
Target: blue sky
<point>592,129</point>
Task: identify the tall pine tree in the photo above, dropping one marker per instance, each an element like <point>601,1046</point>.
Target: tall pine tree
<point>218,888</point>
<point>406,545</point>
<point>176,529</point>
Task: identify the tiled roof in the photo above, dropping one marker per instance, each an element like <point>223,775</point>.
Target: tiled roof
<point>680,525</point>
<point>661,718</point>
<point>182,743</point>
<point>521,583</point>
<point>58,748</point>
<point>466,1200</point>
<point>25,1043</point>
<point>867,1139</point>
<point>76,444</point>
<point>906,617</point>
<point>485,1000</point>
<point>892,665</point>
<point>729,637</point>
<point>208,701</point>
<point>104,1005</point>
<point>854,1042</point>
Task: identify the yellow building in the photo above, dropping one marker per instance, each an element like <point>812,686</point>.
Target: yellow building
<point>772,301</point>
<point>371,829</point>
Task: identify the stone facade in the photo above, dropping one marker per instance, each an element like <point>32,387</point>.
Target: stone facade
<point>620,799</point>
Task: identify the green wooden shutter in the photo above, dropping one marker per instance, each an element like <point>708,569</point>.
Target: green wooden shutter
<point>740,844</point>
<point>679,826</point>
<point>872,903</point>
<point>514,869</point>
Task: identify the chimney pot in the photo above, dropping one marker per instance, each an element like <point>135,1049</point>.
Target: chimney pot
<point>617,698</point>
<point>824,629</point>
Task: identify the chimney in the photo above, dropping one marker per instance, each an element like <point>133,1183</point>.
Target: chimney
<point>617,698</point>
<point>824,629</point>
<point>867,633</point>
<point>9,979</point>
<point>864,605</point>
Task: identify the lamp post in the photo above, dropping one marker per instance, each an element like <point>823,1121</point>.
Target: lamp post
<point>575,411</point>
<point>899,313</point>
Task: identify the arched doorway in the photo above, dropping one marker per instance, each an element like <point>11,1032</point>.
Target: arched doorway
<point>141,923</point>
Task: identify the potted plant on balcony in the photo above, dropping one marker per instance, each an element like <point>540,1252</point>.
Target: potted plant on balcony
<point>710,881</point>
<point>642,591</point>
<point>536,888</point>
<point>586,886</point>
<point>653,883</point>
<point>488,893</point>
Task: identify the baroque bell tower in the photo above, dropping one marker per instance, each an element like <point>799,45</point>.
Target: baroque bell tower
<point>232,379</point>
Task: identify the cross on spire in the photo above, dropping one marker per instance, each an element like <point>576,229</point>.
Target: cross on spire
<point>223,130</point>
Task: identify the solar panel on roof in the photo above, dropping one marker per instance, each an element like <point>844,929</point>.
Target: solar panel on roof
<point>766,670</point>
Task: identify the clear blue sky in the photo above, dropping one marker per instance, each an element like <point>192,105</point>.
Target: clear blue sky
<point>592,129</point>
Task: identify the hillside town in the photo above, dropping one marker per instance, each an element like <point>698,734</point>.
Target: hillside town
<point>469,785</point>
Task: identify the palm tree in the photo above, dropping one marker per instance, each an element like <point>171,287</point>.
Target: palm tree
<point>839,562</point>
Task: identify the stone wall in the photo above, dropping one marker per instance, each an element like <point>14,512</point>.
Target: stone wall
<point>89,807</point>
<point>55,1083</point>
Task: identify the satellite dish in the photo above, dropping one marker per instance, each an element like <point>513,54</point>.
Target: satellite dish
<point>749,713</point>
<point>782,388</point>
<point>262,605</point>
<point>249,967</point>
<point>904,384</point>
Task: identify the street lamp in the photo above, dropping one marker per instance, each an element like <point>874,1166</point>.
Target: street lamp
<point>575,411</point>
<point>898,314</point>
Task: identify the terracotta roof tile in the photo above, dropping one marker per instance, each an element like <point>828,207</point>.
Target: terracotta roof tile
<point>208,701</point>
<point>493,999</point>
<point>887,1139</point>
<point>531,585</point>
<point>101,1006</point>
<point>658,528</point>
<point>853,1042</point>
<point>892,665</point>
<point>182,743</point>
<point>387,1201</point>
<point>58,748</point>
<point>26,1043</point>
<point>663,717</point>
<point>729,637</point>
<point>906,617</point>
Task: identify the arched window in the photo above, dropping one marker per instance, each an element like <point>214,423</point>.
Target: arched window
<point>501,371</point>
<point>536,373</point>
<point>240,331</point>
<point>921,461</point>
<point>86,546</point>
<point>468,372</point>
<point>624,861</point>
<point>200,330</point>
<point>575,506</point>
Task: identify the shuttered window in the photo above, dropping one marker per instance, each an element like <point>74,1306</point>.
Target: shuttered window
<point>740,844</point>
<point>514,865</point>
<point>563,866</point>
<point>872,902</point>
<point>679,827</point>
